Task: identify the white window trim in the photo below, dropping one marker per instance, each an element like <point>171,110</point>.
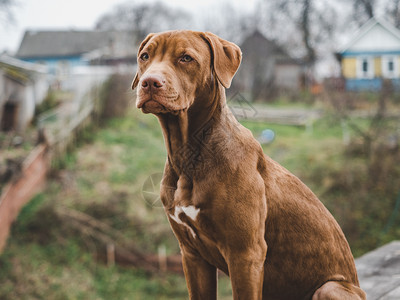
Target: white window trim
<point>371,67</point>
<point>385,64</point>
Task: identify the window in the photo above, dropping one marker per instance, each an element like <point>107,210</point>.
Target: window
<point>390,67</point>
<point>365,67</point>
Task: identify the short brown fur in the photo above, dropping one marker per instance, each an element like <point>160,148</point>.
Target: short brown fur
<point>256,221</point>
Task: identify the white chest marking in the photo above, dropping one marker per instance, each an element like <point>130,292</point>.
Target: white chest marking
<point>190,211</point>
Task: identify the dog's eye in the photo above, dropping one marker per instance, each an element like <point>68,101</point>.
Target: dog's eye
<point>145,56</point>
<point>186,58</point>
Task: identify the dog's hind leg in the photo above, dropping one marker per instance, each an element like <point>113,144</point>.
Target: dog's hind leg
<point>339,290</point>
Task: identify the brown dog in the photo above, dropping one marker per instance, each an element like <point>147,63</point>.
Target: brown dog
<point>230,206</point>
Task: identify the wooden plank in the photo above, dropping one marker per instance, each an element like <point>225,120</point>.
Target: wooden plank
<point>379,272</point>
<point>17,193</point>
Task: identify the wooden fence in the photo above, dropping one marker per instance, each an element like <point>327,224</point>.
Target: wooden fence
<point>18,192</point>
<point>58,126</point>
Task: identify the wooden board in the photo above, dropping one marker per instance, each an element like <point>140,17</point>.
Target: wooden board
<point>379,272</point>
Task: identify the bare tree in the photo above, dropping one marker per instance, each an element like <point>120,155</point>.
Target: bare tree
<point>392,10</point>
<point>363,10</point>
<point>6,14</point>
<point>228,22</point>
<point>304,25</point>
<point>144,18</point>
<point>306,30</point>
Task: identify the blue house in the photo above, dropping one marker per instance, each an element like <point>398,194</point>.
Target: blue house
<point>60,51</point>
<point>372,56</point>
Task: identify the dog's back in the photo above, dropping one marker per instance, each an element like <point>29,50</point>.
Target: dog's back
<point>306,246</point>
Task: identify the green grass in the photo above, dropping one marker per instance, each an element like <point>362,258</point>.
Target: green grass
<point>105,178</point>
<point>52,272</point>
<point>45,259</point>
<point>347,182</point>
<point>299,149</point>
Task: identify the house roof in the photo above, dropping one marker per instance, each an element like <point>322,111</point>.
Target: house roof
<point>258,45</point>
<point>36,44</point>
<point>20,71</point>
<point>368,28</point>
<point>8,61</point>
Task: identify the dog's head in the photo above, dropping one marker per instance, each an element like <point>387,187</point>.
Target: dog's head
<point>175,67</point>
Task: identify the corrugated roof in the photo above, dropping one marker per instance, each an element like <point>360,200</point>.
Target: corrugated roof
<point>22,65</point>
<point>37,44</point>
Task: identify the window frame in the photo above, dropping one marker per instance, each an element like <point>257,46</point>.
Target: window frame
<point>370,73</point>
<point>386,73</point>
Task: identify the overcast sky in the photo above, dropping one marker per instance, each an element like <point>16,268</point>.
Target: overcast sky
<point>78,14</point>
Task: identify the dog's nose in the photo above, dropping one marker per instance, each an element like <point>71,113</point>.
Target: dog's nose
<point>152,82</point>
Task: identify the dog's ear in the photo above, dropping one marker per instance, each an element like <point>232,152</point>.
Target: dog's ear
<point>135,81</point>
<point>226,57</point>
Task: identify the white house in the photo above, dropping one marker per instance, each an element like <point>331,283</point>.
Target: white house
<point>23,85</point>
<point>371,56</point>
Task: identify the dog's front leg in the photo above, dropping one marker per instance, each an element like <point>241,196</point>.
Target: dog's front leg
<point>201,277</point>
<point>246,271</point>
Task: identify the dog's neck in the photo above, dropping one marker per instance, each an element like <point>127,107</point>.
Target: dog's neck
<point>188,134</point>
